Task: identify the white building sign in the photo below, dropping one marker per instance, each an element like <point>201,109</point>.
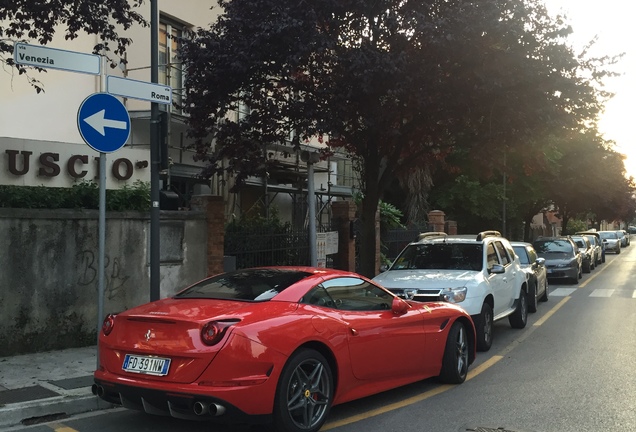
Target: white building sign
<point>53,58</point>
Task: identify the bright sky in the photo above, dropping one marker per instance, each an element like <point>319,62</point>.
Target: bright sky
<point>613,22</point>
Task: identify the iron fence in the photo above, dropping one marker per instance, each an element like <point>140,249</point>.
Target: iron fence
<point>262,248</point>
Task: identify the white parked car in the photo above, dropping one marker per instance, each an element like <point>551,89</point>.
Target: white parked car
<point>480,273</point>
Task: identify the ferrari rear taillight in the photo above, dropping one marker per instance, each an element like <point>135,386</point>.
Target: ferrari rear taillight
<point>213,332</point>
<point>108,324</point>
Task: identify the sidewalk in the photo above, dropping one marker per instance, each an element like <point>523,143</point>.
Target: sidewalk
<point>51,384</point>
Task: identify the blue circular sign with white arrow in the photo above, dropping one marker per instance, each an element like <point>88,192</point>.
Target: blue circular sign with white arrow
<point>103,122</point>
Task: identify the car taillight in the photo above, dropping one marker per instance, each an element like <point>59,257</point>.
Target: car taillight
<point>213,332</point>
<point>108,324</point>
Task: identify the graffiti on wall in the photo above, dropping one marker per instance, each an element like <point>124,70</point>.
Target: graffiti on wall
<point>114,276</point>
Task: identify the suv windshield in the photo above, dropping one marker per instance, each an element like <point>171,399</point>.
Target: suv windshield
<point>440,256</point>
<point>246,285</point>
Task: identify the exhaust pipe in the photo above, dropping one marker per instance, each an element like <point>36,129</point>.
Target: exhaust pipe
<point>97,390</point>
<point>217,410</point>
<point>201,408</point>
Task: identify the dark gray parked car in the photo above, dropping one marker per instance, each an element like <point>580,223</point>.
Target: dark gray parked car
<point>562,257</point>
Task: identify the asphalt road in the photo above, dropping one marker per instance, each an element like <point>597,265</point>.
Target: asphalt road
<point>569,370</point>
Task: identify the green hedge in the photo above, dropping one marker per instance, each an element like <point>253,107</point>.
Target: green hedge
<point>84,195</point>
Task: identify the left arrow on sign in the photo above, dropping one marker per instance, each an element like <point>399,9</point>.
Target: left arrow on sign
<point>98,122</point>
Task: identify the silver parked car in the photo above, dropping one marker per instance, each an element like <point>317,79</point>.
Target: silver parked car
<point>587,252</point>
<point>611,241</point>
<point>537,274</point>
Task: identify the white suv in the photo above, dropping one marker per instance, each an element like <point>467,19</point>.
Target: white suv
<point>480,273</point>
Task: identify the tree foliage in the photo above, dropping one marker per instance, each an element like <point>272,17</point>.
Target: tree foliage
<point>398,85</point>
<point>39,21</point>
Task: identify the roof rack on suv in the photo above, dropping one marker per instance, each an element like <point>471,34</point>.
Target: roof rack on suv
<point>490,233</point>
<point>426,235</point>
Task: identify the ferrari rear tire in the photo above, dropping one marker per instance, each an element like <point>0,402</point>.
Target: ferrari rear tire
<point>304,393</point>
<point>455,361</point>
<point>532,298</point>
<point>484,328</point>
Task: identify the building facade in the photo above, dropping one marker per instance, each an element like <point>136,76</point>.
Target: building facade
<point>40,143</point>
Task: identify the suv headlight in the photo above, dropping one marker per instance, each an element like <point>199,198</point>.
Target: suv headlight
<point>454,295</point>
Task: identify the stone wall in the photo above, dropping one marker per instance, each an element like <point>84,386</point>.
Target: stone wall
<point>48,271</point>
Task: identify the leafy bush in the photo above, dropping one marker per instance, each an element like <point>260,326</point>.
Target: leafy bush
<point>576,225</point>
<point>83,195</point>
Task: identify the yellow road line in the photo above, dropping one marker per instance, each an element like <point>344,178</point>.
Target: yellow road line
<point>482,367</point>
<point>596,273</point>
<point>442,388</point>
<point>58,427</point>
<point>551,312</point>
<point>387,408</point>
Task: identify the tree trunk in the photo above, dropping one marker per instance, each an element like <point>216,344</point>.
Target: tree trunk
<point>527,221</point>
<point>565,218</point>
<point>367,238</point>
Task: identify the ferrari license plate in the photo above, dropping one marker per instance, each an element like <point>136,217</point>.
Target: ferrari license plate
<point>146,365</point>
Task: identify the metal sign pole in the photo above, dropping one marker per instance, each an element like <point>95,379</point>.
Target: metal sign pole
<point>101,230</point>
<point>102,247</point>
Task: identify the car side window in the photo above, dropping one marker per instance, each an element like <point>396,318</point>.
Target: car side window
<point>510,250</point>
<point>505,258</point>
<point>354,294</point>
<point>318,296</point>
<point>491,255</point>
<point>532,255</point>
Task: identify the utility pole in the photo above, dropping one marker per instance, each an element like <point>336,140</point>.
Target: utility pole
<point>503,209</point>
<point>155,275</point>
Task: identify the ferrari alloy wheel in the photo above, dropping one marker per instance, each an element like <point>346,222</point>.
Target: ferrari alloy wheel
<point>484,328</point>
<point>532,298</point>
<point>519,317</point>
<point>455,362</point>
<point>304,393</point>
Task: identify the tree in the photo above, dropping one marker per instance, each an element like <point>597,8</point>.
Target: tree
<point>398,85</point>
<point>22,20</point>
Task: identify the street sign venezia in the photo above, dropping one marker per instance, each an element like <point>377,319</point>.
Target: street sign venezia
<point>142,90</point>
<point>53,58</point>
<point>103,122</point>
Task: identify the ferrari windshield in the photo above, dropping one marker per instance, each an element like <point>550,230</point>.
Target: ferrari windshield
<point>245,285</point>
<point>440,256</point>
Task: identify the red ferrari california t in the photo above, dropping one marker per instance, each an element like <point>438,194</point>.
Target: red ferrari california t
<point>276,344</point>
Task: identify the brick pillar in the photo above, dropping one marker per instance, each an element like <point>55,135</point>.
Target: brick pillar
<point>343,215</point>
<point>452,227</point>
<point>436,220</point>
<point>214,209</point>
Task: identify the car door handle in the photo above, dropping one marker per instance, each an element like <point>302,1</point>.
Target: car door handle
<point>354,332</point>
